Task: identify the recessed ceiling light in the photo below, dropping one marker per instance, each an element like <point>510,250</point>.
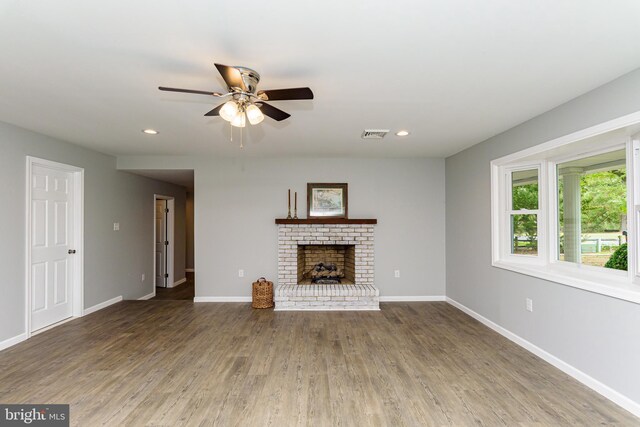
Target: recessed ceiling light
<point>402,133</point>
<point>150,131</point>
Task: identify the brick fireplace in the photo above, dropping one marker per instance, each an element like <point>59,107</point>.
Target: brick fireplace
<point>348,246</point>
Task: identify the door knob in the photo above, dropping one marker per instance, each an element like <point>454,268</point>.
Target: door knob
<point>72,251</point>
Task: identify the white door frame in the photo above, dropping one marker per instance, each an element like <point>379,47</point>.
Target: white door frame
<point>77,287</point>
<point>170,237</point>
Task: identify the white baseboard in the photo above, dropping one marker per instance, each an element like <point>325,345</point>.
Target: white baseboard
<point>190,270</point>
<point>382,299</point>
<point>12,341</point>
<point>179,282</point>
<point>326,309</point>
<point>222,299</point>
<point>413,298</point>
<point>606,391</point>
<point>148,296</point>
<point>102,305</point>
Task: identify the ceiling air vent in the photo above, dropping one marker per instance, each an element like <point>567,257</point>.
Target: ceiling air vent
<point>374,133</point>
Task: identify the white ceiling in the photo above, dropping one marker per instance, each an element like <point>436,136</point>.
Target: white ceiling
<point>452,72</point>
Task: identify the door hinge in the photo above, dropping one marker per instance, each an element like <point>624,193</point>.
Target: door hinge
<point>166,243</point>
<point>166,274</point>
<point>166,210</point>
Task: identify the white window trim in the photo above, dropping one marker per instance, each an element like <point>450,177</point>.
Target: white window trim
<point>506,209</point>
<point>613,283</point>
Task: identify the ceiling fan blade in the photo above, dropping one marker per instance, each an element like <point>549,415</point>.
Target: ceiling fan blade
<point>215,111</point>
<point>199,92</point>
<point>273,112</point>
<point>284,94</point>
<point>232,77</point>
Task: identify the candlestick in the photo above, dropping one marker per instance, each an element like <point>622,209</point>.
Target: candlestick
<point>289,204</point>
<point>295,204</point>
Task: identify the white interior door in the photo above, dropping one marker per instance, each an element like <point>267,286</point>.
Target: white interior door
<point>51,252</point>
<point>161,243</point>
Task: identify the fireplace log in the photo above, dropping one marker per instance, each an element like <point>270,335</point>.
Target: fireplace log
<point>325,274</point>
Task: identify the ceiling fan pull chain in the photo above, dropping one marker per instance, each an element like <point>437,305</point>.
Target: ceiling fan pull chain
<point>230,132</point>
<point>241,146</point>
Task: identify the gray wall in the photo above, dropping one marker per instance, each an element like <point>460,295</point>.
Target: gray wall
<point>596,334</point>
<point>190,257</point>
<point>114,261</point>
<point>238,199</point>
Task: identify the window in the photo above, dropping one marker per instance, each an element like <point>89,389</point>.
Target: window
<point>524,212</point>
<point>559,210</point>
<point>592,209</point>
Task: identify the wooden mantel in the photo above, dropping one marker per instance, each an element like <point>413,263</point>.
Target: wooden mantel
<point>326,221</point>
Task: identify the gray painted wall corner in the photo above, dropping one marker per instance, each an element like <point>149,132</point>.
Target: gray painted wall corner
<point>591,332</point>
<point>114,261</point>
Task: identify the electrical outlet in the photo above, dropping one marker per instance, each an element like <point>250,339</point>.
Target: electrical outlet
<point>396,274</point>
<point>142,279</point>
<point>240,273</point>
<point>116,226</point>
<point>529,304</point>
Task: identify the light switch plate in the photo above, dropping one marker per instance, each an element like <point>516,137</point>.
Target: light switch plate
<point>116,226</point>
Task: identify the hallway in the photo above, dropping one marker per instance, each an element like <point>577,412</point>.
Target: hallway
<point>185,291</point>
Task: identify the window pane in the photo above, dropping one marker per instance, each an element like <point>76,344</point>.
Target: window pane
<point>524,234</point>
<point>524,189</point>
<point>592,210</point>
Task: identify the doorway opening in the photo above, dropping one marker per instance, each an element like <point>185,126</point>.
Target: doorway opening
<point>163,240</point>
<point>174,258</point>
<point>186,288</point>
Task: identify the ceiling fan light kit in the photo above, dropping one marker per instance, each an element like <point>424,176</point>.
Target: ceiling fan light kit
<point>239,120</point>
<point>229,111</point>
<point>254,114</point>
<point>246,102</point>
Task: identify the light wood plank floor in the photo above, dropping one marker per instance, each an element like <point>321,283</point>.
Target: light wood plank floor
<point>175,363</point>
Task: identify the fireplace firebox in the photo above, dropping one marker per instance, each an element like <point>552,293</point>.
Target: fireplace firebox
<point>326,264</point>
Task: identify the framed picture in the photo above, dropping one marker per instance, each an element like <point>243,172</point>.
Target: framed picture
<point>327,200</point>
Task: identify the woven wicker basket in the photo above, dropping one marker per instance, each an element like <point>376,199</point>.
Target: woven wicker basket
<point>262,294</point>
